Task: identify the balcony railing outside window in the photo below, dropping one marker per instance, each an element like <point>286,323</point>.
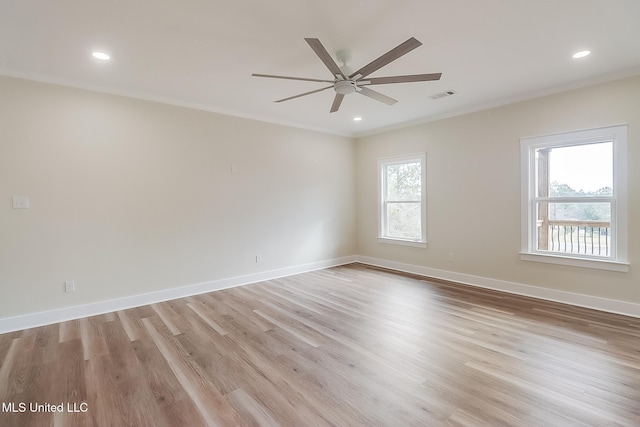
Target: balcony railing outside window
<point>575,237</point>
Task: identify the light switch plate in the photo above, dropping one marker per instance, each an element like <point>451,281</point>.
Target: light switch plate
<point>20,202</point>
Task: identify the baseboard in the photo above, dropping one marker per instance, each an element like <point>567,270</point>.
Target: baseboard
<point>10,324</point>
<point>580,300</point>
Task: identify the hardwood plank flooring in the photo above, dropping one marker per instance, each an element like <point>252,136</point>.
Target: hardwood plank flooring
<point>347,346</point>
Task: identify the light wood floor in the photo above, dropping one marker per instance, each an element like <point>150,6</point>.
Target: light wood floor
<point>348,346</point>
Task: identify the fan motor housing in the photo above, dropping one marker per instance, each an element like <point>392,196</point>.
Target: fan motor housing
<point>345,87</point>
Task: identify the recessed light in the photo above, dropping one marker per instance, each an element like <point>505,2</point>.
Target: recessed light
<point>101,55</point>
<point>357,119</point>
<point>581,54</point>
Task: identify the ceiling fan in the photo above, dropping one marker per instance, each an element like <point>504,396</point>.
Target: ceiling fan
<point>345,82</point>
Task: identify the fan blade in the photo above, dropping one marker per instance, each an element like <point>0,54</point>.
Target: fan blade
<point>291,78</point>
<point>324,56</point>
<point>401,79</point>
<point>336,102</point>
<point>376,95</point>
<point>388,57</point>
<point>304,94</point>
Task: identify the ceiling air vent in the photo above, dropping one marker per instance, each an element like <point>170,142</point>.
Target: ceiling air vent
<point>442,94</point>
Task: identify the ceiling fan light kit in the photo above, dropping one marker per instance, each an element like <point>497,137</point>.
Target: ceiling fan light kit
<point>346,82</point>
<point>345,87</point>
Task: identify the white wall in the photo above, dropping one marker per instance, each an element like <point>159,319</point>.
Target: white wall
<point>473,188</point>
<point>130,197</point>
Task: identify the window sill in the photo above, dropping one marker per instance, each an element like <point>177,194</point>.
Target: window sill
<point>401,242</point>
<point>576,262</point>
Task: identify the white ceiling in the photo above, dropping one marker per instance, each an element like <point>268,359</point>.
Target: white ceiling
<point>201,53</point>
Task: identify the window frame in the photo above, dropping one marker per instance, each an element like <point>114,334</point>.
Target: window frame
<point>383,236</point>
<point>617,135</point>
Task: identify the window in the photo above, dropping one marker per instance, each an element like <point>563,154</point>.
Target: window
<point>402,208</point>
<point>574,206</point>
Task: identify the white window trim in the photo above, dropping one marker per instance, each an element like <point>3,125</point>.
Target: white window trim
<point>618,261</point>
<point>422,158</point>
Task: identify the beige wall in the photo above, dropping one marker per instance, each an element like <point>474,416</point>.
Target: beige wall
<point>473,188</point>
<point>129,197</point>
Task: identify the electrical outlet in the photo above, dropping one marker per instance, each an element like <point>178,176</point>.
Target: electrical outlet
<point>258,258</point>
<point>69,286</point>
<point>452,258</point>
